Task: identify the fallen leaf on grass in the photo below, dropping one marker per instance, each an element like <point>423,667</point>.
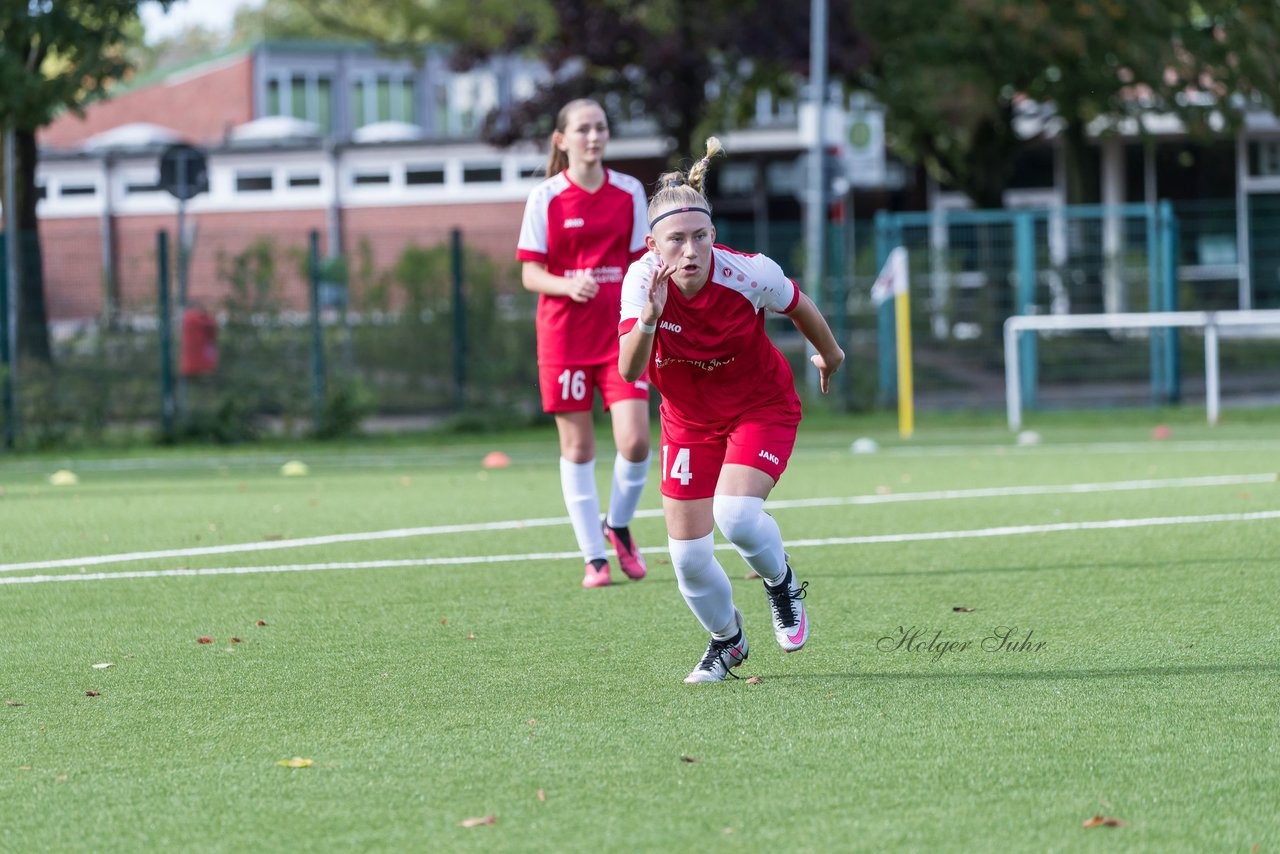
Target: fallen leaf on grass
<point>690,759</point>
<point>541,795</point>
<point>236,640</point>
<point>471,635</point>
<point>477,822</point>
<point>1102,821</point>
<point>444,621</point>
<point>204,639</point>
<point>296,762</point>
<point>754,680</point>
<point>61,778</point>
<point>260,623</point>
<point>271,538</point>
<point>103,666</point>
<point>12,703</point>
<point>93,693</point>
<point>960,609</point>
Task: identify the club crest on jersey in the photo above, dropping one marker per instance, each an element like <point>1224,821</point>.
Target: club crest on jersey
<point>575,222</point>
<point>669,326</point>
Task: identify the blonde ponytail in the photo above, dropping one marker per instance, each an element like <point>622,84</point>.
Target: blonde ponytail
<point>676,190</point>
<point>698,174</point>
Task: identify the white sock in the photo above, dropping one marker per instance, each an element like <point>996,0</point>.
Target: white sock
<point>628,483</point>
<point>753,533</point>
<point>578,482</point>
<point>704,585</point>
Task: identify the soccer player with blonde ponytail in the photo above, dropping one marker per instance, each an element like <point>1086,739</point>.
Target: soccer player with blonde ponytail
<point>693,318</point>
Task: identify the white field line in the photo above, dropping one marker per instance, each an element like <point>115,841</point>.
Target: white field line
<point>517,524</point>
<point>526,455</point>
<point>1003,531</point>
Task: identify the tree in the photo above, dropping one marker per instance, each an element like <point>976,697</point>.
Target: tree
<point>664,56</point>
<point>282,20</point>
<point>193,42</point>
<point>53,56</point>
<point>953,76</point>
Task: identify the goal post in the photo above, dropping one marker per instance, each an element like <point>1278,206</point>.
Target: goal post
<point>1209,321</point>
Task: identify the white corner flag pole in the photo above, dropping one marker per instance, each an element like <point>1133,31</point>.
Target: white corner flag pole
<point>892,281</point>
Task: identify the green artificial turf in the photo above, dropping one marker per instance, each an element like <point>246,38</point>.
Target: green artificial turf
<point>427,695</point>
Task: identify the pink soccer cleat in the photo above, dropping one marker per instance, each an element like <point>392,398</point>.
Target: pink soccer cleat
<point>597,574</point>
<point>628,552</point>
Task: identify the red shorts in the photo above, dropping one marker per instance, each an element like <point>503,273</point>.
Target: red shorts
<point>691,460</point>
<point>572,388</point>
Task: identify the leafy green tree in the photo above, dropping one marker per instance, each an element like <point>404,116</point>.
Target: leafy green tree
<point>282,20</point>
<point>53,56</point>
<point>664,56</point>
<point>193,42</point>
<point>952,76</point>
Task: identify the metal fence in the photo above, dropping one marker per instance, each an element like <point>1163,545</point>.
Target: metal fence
<point>428,324</point>
<point>970,270</point>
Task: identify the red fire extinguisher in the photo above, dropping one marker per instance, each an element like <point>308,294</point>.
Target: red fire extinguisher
<point>199,355</point>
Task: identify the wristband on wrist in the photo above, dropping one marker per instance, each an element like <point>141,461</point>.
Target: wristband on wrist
<point>649,328</point>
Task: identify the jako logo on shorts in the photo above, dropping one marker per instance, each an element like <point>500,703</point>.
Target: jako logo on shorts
<point>770,457</point>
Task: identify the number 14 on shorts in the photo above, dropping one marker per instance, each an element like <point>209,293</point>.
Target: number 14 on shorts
<point>676,465</point>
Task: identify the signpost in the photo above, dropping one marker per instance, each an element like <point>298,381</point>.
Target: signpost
<point>9,297</point>
<point>184,173</point>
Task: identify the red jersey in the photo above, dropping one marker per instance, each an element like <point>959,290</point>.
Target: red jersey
<point>572,231</point>
<point>712,359</point>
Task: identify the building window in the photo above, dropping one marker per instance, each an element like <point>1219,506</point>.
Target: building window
<point>1264,157</point>
<point>298,97</point>
<point>253,182</point>
<point>135,187</point>
<point>383,104</point>
<point>481,173</point>
<point>273,97</point>
<point>419,175</point>
<point>408,110</point>
<point>324,104</point>
<point>302,96</point>
<point>77,190</point>
<point>471,95</point>
<point>383,98</point>
<point>304,180</point>
<point>42,192</point>
<point>362,179</point>
<point>357,104</point>
<point>533,171</point>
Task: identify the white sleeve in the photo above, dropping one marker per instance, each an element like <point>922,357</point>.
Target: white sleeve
<point>779,292</point>
<point>640,228</point>
<point>635,286</point>
<point>533,229</point>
